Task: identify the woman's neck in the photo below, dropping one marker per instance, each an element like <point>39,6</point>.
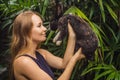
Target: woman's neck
<point>33,49</point>
<point>29,50</point>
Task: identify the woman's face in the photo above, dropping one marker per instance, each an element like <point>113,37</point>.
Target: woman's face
<point>38,30</point>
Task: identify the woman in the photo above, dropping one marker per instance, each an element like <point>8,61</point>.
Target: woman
<point>33,63</point>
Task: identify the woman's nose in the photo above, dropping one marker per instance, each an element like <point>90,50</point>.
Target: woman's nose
<point>44,28</point>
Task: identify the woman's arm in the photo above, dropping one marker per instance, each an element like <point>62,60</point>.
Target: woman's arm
<point>25,67</point>
<point>70,45</point>
<point>69,68</point>
<point>58,62</point>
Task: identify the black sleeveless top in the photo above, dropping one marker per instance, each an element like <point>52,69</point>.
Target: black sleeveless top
<point>40,61</point>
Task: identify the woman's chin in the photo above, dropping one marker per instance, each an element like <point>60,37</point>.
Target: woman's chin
<point>44,39</point>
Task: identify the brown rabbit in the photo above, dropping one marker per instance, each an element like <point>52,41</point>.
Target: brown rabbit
<point>85,37</point>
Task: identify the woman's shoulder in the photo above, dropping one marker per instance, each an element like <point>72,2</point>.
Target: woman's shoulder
<point>26,66</point>
<point>23,64</point>
<point>22,60</point>
<point>43,52</point>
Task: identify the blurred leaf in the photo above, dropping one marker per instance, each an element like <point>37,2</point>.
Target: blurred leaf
<point>91,12</point>
<point>112,13</point>
<point>114,3</point>
<point>103,74</point>
<point>102,10</point>
<point>6,23</point>
<point>94,68</point>
<point>49,36</point>
<point>111,76</point>
<point>45,5</point>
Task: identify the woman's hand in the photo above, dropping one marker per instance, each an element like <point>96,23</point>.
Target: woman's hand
<point>69,68</point>
<point>79,55</point>
<point>70,30</point>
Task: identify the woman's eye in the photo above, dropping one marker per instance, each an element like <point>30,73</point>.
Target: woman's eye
<point>39,26</point>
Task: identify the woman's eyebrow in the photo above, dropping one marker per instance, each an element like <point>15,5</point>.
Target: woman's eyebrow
<point>40,23</point>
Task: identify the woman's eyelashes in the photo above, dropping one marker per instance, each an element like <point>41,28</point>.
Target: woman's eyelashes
<point>39,25</point>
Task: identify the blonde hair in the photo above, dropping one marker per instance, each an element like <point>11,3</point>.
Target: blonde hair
<point>21,33</point>
<point>21,36</point>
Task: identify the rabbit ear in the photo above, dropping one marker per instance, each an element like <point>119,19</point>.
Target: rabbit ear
<point>58,9</point>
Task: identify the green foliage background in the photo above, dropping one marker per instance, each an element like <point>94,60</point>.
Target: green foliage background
<point>102,15</point>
